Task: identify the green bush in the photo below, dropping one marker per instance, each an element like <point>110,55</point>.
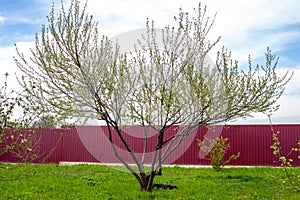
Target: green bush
<point>216,151</point>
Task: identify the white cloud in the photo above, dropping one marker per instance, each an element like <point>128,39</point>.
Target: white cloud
<point>293,87</point>
<point>240,23</point>
<point>2,19</point>
<point>7,66</point>
<point>117,16</point>
<point>289,102</point>
<point>246,27</point>
<point>7,62</point>
<point>235,15</point>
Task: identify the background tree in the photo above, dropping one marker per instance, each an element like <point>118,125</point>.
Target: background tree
<point>46,121</point>
<point>78,74</point>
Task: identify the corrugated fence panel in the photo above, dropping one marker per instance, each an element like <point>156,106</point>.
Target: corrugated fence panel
<point>91,144</point>
<point>253,143</point>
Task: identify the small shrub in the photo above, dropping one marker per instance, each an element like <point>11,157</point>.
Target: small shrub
<point>216,151</point>
<point>292,178</point>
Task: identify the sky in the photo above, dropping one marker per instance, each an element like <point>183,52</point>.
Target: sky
<point>246,28</point>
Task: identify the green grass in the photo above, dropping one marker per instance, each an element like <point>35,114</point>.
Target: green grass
<point>101,182</point>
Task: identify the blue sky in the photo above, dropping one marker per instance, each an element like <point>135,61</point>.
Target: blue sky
<point>20,19</point>
<point>246,27</point>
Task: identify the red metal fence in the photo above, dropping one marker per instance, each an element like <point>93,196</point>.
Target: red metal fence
<point>90,144</point>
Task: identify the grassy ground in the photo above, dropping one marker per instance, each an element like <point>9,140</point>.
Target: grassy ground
<point>101,182</point>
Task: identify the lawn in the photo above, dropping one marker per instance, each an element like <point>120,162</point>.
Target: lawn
<point>28,181</point>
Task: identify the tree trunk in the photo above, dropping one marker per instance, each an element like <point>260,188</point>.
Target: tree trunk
<point>147,183</point>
